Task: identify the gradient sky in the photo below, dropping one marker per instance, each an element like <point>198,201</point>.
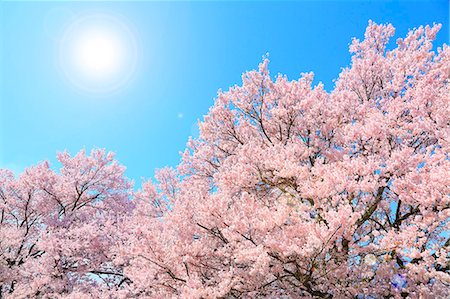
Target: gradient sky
<point>189,51</point>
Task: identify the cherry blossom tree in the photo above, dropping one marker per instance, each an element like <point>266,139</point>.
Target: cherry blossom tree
<point>295,192</point>
<point>290,191</point>
<point>57,230</point>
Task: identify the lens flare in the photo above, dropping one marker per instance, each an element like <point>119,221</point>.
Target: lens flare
<point>399,281</point>
<point>99,53</point>
<point>370,259</point>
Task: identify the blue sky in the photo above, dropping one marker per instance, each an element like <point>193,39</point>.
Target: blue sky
<point>188,51</point>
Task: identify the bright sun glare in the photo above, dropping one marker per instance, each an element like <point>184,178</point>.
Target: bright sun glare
<point>98,53</point>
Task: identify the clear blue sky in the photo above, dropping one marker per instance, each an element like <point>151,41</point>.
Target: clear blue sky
<point>189,51</point>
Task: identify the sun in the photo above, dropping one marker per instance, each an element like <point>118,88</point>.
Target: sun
<point>99,53</point>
